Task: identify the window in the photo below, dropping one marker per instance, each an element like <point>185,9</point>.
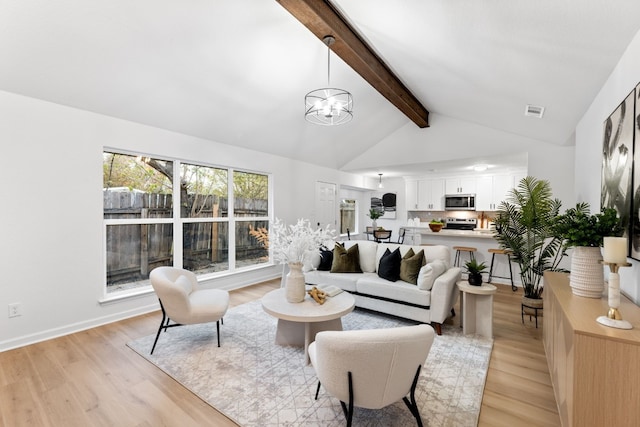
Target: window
<point>141,223</point>
<point>251,210</point>
<point>348,215</point>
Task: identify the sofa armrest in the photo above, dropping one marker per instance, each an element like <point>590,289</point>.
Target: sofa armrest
<point>444,294</point>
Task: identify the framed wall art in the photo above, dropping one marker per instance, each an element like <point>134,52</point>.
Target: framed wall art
<point>617,160</point>
<point>385,203</point>
<point>635,204</point>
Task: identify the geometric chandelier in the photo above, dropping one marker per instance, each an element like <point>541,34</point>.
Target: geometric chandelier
<point>328,106</point>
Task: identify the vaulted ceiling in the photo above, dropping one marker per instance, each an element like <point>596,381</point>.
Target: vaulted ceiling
<point>236,72</point>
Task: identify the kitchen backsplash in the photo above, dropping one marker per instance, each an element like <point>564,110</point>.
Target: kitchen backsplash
<point>484,217</point>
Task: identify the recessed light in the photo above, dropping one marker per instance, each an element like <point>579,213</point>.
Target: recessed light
<point>480,167</point>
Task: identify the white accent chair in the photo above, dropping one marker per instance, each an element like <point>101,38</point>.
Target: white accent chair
<point>183,302</point>
<point>371,368</point>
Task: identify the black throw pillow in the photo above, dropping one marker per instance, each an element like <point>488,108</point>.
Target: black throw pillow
<point>389,267</point>
<point>326,259</point>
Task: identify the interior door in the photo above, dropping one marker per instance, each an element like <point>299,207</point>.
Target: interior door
<point>326,204</point>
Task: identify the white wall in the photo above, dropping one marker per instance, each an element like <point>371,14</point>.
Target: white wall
<point>51,217</point>
<point>449,138</point>
<point>589,134</point>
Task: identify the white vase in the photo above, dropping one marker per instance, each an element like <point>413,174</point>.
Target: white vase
<point>373,224</point>
<point>587,276</point>
<point>294,285</point>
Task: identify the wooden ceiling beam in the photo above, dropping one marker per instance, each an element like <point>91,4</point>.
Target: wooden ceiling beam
<point>322,19</point>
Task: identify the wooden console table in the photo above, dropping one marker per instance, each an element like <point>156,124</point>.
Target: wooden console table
<point>595,370</point>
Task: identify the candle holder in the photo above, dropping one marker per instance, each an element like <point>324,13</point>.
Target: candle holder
<point>613,319</point>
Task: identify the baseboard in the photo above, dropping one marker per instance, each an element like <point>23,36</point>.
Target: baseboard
<point>74,327</point>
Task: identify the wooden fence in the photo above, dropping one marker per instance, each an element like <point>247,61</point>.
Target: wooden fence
<point>134,250</point>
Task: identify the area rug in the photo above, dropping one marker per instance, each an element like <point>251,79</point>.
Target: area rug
<point>256,382</point>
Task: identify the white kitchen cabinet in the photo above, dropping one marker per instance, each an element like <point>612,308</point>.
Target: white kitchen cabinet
<point>411,191</point>
<point>461,185</point>
<point>484,193</point>
<point>493,189</point>
<point>425,194</point>
<point>502,185</point>
<point>430,194</point>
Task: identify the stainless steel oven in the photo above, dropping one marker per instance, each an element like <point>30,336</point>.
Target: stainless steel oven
<point>460,202</point>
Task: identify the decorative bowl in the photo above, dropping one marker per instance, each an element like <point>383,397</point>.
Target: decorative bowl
<point>435,227</point>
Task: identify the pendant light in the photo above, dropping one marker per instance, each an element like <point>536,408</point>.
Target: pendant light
<point>328,106</point>
<point>380,183</point>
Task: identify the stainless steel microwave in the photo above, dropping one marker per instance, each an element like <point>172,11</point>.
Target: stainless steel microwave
<point>460,202</point>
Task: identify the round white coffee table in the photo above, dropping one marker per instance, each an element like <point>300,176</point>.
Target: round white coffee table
<point>298,323</point>
<point>476,308</point>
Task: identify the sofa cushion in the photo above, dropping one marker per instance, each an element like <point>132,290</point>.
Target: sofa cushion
<point>346,281</point>
<point>346,260</point>
<point>399,291</point>
<point>431,253</point>
<point>367,249</point>
<point>389,267</point>
<point>410,266</point>
<point>429,273</point>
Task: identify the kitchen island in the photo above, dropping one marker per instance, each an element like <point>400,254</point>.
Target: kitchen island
<point>481,239</point>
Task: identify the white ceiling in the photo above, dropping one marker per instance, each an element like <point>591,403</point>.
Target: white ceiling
<point>236,71</point>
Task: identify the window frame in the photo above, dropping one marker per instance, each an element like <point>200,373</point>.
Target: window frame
<point>178,223</point>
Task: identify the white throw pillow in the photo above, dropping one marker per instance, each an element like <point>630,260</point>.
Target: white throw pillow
<point>367,251</point>
<point>429,273</point>
<point>311,260</point>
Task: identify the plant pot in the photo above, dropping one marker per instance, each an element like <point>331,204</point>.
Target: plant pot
<point>374,225</point>
<point>529,306</point>
<point>587,276</point>
<point>475,279</point>
<point>294,284</point>
<point>435,227</point>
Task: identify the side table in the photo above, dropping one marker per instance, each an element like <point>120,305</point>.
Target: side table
<point>476,308</point>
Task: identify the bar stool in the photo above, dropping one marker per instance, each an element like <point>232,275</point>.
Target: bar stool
<point>506,252</point>
<point>459,250</point>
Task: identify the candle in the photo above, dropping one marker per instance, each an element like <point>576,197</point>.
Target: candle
<point>615,250</point>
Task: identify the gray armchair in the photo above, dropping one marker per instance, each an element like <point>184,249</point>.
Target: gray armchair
<point>183,302</point>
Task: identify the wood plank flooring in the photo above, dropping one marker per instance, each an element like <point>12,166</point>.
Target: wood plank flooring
<point>91,378</point>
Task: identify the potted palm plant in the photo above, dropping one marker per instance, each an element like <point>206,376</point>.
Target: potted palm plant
<point>585,233</point>
<point>475,270</point>
<point>524,226</point>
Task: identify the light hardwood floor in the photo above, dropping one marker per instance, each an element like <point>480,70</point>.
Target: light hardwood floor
<point>91,378</point>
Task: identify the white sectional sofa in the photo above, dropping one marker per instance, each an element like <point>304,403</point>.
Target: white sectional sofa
<point>397,298</point>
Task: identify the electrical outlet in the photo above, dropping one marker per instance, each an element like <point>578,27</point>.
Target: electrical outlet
<point>15,309</point>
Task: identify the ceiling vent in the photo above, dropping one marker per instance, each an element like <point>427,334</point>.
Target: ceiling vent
<point>534,111</point>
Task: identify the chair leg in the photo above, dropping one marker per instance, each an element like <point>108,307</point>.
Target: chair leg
<point>411,404</point>
<point>218,331</point>
<point>162,325</point>
<point>318,390</point>
<point>493,256</point>
<point>349,412</point>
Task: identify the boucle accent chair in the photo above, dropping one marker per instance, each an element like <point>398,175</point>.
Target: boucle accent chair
<point>182,301</point>
<point>371,368</point>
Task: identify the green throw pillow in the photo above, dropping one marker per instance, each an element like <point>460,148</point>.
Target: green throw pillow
<point>346,260</point>
<point>410,266</point>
